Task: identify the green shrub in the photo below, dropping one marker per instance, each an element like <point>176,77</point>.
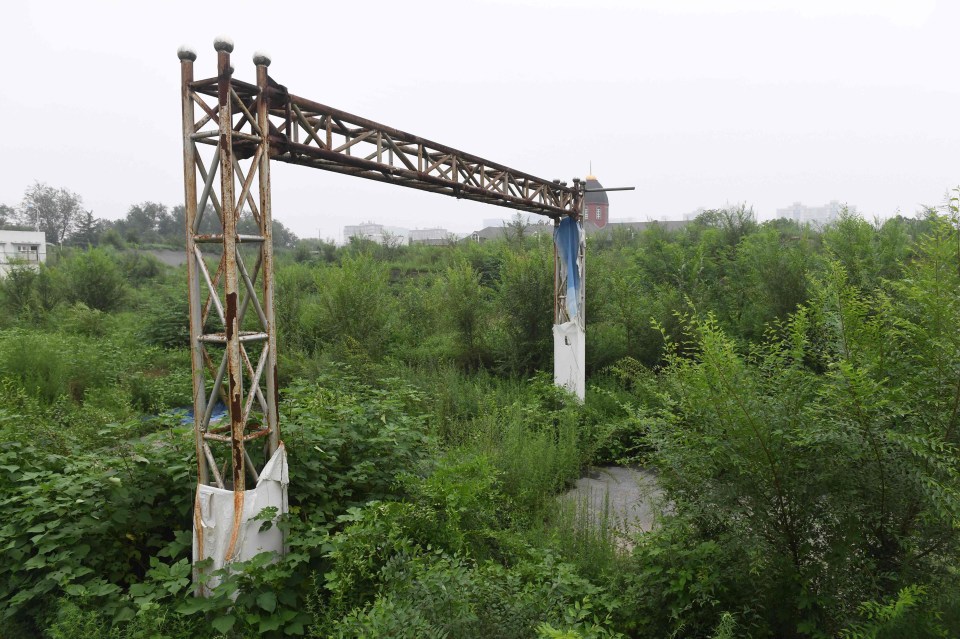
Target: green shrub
<point>79,319</point>
<point>85,524</point>
<point>523,305</point>
<point>432,594</point>
<point>353,307</point>
<point>57,365</point>
<point>464,310</point>
<point>164,317</point>
<point>350,442</point>
<point>676,582</point>
<point>139,268</point>
<point>29,294</point>
<point>93,277</point>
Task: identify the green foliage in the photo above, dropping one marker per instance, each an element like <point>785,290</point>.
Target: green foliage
<point>139,268</point>
<point>94,278</point>
<point>523,306</point>
<point>84,524</point>
<point>676,583</point>
<point>425,593</point>
<point>350,441</point>
<point>166,319</point>
<point>880,618</point>
<point>464,309</point>
<point>796,390</point>
<point>835,488</point>
<point>52,367</point>
<point>353,306</point>
<point>29,294</point>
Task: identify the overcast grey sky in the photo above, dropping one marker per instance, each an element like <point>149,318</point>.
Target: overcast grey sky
<point>696,103</point>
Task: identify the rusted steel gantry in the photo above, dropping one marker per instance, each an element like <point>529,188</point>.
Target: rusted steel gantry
<point>231,131</point>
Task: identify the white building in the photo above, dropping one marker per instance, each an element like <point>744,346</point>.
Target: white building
<point>377,233</point>
<point>436,236</point>
<point>22,247</point>
<point>818,215</point>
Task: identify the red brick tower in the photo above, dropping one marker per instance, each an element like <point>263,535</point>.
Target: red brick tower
<point>596,206</point>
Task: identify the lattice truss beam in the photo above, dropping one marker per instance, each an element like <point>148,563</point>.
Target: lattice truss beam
<point>312,134</point>
<point>301,131</point>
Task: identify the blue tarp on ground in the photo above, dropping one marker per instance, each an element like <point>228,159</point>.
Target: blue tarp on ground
<point>567,239</point>
<point>219,412</point>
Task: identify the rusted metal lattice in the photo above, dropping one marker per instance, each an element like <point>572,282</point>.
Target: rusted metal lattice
<point>231,131</point>
<point>230,274</point>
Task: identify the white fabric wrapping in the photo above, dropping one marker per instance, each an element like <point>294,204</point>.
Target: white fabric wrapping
<point>569,355</point>
<point>214,519</point>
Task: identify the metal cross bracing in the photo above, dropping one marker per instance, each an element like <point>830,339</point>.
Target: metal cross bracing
<point>242,123</point>
<point>231,131</point>
<point>232,331</point>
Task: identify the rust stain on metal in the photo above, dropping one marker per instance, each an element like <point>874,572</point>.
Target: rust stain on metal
<point>231,315</point>
<point>276,386</point>
<point>198,523</point>
<point>238,496</point>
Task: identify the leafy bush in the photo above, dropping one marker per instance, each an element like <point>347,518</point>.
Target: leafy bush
<point>350,442</point>
<point>29,294</point>
<point>425,593</point>
<point>139,268</point>
<point>79,319</point>
<point>830,484</point>
<point>93,277</point>
<point>523,305</point>
<point>353,306</point>
<point>464,310</point>
<point>165,317</point>
<point>52,366</point>
<point>85,524</point>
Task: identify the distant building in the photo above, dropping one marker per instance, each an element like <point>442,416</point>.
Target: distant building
<point>22,247</point>
<point>376,232</point>
<point>817,215</point>
<point>436,237</point>
<point>504,230</point>
<point>596,206</point>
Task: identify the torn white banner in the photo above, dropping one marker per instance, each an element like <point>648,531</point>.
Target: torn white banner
<point>223,526</point>
<point>569,356</point>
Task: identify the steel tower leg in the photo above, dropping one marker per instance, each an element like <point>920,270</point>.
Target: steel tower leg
<point>240,353</point>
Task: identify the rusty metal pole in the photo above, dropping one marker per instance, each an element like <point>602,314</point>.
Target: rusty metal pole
<point>262,61</point>
<point>556,274</point>
<point>230,287</point>
<point>187,57</point>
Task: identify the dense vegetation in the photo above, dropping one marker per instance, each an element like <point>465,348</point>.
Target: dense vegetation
<point>797,390</point>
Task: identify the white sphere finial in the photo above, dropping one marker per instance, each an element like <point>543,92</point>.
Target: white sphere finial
<point>186,52</point>
<point>223,43</point>
<point>261,58</point>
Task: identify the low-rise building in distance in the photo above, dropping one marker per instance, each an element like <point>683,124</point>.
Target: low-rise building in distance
<point>817,215</point>
<point>376,233</point>
<point>22,248</point>
<point>435,237</point>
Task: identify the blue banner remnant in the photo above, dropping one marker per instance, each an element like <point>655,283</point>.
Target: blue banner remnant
<point>567,239</point>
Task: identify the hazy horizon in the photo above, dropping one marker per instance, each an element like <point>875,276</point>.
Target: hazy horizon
<point>696,103</point>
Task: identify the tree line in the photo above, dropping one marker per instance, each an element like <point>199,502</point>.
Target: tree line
<point>60,213</point>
